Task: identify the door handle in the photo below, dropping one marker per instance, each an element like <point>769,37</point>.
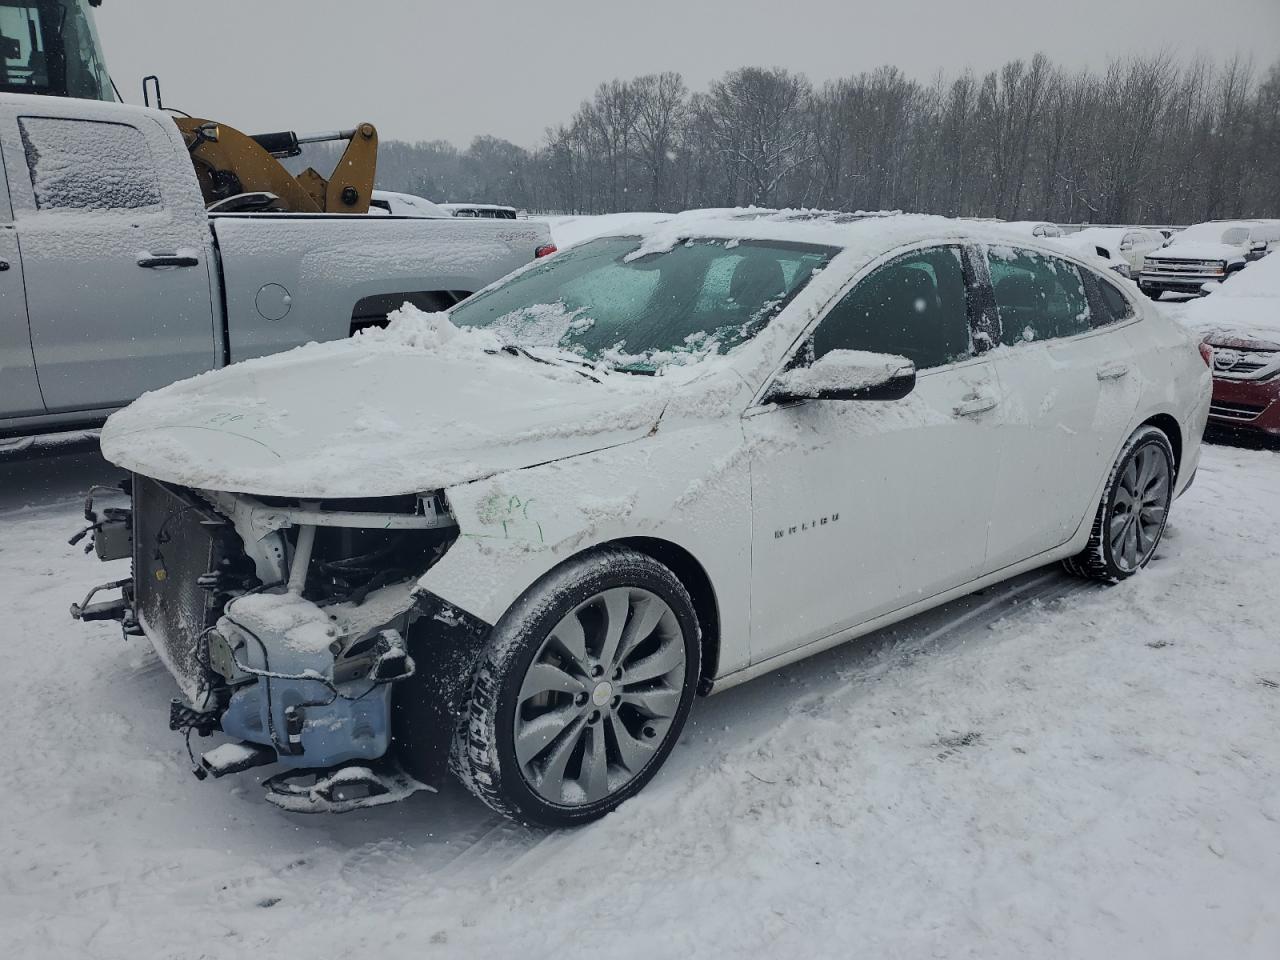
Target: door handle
<point>1113,371</point>
<point>974,406</point>
<point>4,265</point>
<point>152,261</point>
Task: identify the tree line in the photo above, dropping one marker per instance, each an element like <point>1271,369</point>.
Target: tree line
<point>1144,139</point>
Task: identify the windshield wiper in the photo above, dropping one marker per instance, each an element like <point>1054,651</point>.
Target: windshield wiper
<point>518,351</point>
<point>636,369</point>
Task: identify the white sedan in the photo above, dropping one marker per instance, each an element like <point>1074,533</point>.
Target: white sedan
<point>1126,246</point>
<point>530,530</point>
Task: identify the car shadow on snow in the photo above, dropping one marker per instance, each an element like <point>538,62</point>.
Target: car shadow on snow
<point>461,833</point>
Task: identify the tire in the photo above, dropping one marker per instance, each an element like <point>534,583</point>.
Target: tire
<point>1123,539</point>
<point>1151,294</point>
<point>557,730</point>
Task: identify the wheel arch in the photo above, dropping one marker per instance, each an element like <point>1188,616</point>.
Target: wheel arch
<point>1170,427</point>
<point>690,572</point>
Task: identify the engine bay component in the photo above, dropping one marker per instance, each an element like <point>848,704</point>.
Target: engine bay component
<point>342,789</point>
<point>235,758</point>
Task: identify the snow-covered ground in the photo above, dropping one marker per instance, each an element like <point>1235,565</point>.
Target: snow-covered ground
<point>1047,770</point>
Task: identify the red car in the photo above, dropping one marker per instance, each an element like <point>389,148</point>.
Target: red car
<point>1246,383</point>
<point>1240,323</point>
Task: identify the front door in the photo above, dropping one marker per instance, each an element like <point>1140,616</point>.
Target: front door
<point>860,508</point>
<point>116,266</point>
<point>19,388</point>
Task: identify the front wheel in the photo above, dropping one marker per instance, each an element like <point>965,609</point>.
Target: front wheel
<point>1131,517</point>
<point>582,691</point>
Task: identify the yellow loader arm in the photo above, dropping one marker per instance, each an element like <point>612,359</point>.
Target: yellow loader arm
<point>229,163</point>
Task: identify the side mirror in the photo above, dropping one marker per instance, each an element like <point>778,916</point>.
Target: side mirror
<point>846,375</point>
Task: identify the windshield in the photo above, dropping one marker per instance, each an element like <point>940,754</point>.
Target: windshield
<point>51,47</point>
<point>602,304</point>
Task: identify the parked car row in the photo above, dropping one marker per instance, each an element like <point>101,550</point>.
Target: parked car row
<point>1189,261</point>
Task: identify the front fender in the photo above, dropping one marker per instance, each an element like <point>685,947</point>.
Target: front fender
<point>689,487</point>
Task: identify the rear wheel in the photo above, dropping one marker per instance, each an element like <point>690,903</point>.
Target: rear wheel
<point>582,690</point>
<point>1134,508</point>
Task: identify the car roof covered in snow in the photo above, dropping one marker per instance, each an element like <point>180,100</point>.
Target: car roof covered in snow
<point>870,232</point>
<point>1215,231</point>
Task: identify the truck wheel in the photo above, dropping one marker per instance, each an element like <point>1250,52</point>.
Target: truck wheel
<point>1134,508</point>
<point>582,690</point>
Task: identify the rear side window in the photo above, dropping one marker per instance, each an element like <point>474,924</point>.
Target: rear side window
<point>1038,297</point>
<point>915,306</point>
<point>88,165</point>
<point>1110,305</point>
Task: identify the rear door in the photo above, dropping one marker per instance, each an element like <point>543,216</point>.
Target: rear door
<point>115,250</point>
<point>1070,387</point>
<point>19,388</point>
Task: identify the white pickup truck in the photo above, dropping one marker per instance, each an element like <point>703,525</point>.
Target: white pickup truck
<point>1204,255</point>
<point>114,280</point>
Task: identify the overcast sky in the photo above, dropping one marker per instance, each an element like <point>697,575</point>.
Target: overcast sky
<point>426,70</point>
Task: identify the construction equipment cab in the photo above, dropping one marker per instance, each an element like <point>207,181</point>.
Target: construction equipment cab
<point>51,47</point>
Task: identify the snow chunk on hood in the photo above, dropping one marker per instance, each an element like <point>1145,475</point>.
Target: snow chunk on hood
<point>411,327</point>
<point>418,406</point>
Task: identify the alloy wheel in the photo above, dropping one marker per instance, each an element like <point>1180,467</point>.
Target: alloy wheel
<point>1139,507</point>
<point>599,697</point>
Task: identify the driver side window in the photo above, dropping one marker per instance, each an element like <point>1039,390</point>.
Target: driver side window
<point>915,306</point>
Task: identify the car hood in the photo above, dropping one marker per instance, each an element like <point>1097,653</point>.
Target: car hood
<point>375,417</point>
<point>1195,250</point>
<point>1241,322</point>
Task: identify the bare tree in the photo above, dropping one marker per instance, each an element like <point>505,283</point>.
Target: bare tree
<point>758,118</point>
<point>661,107</point>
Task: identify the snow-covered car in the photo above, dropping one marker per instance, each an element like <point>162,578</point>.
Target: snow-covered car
<point>1126,248</point>
<point>1241,324</point>
<point>1032,228</point>
<point>530,529</point>
<point>390,203</point>
<point>480,211</point>
<point>1201,257</point>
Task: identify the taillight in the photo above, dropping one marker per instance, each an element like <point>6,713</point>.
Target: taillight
<point>546,250</point>
<point>1206,354</point>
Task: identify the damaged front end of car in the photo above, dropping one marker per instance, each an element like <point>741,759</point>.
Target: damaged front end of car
<point>286,624</point>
